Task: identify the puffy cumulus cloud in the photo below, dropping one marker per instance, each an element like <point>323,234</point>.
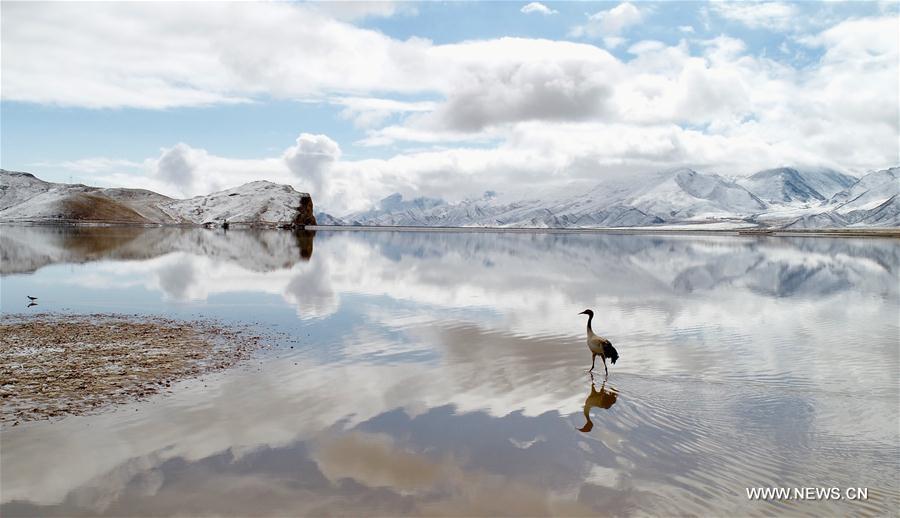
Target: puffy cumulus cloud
<point>609,24</point>
<point>516,79</point>
<point>310,165</point>
<point>311,157</point>
<point>522,92</point>
<point>177,165</point>
<point>758,15</point>
<point>537,7</point>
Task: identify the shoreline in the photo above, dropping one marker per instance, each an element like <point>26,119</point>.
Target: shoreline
<point>833,232</point>
<point>59,365</point>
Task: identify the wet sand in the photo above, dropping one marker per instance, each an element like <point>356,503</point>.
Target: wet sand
<point>56,365</point>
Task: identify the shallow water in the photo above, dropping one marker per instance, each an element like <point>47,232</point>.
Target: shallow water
<point>445,373</point>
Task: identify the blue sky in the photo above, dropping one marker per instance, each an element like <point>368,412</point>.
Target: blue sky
<point>354,101</point>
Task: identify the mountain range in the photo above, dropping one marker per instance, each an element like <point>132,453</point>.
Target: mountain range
<point>26,198</point>
<point>774,198</point>
<point>791,198</point>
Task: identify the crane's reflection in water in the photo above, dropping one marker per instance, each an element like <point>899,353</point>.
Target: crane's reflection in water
<point>603,398</point>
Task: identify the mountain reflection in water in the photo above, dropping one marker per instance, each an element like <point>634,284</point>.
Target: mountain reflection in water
<point>443,373</point>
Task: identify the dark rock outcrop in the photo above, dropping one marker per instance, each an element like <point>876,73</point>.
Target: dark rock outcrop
<point>305,214</point>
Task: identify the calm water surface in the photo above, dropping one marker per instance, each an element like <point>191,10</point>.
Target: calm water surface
<point>445,373</point>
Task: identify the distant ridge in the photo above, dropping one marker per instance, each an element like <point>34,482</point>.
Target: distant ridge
<point>785,197</point>
<point>26,198</point>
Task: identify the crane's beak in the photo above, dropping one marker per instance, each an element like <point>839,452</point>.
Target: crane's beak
<point>583,313</point>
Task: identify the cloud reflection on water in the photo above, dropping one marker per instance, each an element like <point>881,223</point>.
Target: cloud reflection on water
<point>462,356</point>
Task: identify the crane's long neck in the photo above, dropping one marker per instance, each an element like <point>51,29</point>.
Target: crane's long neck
<point>590,317</point>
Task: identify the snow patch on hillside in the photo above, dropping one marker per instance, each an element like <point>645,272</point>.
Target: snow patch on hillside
<point>24,197</point>
<point>255,202</point>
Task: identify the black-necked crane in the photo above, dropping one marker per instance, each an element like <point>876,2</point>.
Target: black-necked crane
<point>598,345</point>
<point>32,299</point>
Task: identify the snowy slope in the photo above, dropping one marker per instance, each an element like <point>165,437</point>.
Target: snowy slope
<point>820,220</point>
<point>788,185</point>
<point>869,192</point>
<point>686,195</point>
<point>886,214</point>
<point>255,202</point>
<point>26,198</point>
<point>488,212</point>
<point>17,187</point>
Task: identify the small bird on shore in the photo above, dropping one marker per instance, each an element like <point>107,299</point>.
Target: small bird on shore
<point>31,298</point>
<point>598,345</point>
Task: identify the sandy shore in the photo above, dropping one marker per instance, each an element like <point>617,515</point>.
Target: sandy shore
<point>54,365</point>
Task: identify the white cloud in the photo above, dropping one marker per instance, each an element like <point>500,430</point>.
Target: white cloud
<point>357,10</point>
<point>93,165</point>
<point>367,112</point>
<point>758,15</point>
<point>311,157</point>
<point>541,90</point>
<point>176,166</point>
<point>529,112</point>
<point>181,54</point>
<point>609,23</point>
<point>537,7</point>
<point>688,29</point>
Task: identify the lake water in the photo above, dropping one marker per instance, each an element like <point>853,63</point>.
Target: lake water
<point>445,373</point>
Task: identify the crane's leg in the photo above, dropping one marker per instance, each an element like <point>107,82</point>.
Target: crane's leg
<point>604,365</point>
<point>593,359</point>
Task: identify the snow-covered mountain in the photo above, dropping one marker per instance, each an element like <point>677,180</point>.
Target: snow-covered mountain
<point>774,198</point>
<point>871,191</point>
<point>25,198</point>
<point>686,195</point>
<point>871,201</point>
<point>784,197</point>
<point>788,185</point>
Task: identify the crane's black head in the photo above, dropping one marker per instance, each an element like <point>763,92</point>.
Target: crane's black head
<point>587,312</point>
